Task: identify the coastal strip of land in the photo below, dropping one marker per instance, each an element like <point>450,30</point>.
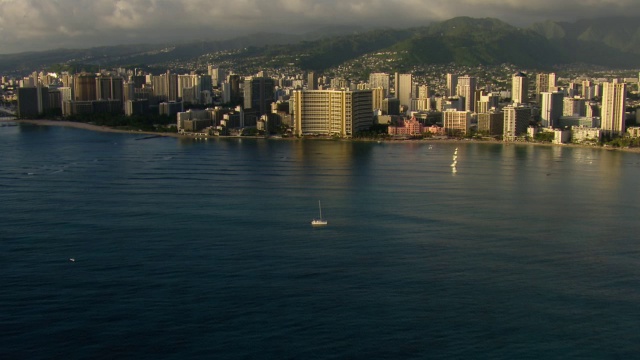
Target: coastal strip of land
<point>92,127</point>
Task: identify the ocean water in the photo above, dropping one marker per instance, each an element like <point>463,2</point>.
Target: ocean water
<point>204,249</point>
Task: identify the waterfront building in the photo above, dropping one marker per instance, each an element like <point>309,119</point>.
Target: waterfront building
<point>409,127</point>
<point>194,120</point>
<point>28,102</point>
<point>136,107</point>
<point>170,108</point>
<point>586,135</point>
<point>491,123</point>
<point>633,131</point>
<point>551,108</point>
<point>456,122</point>
<point>332,112</point>
<point>613,108</point>
<point>584,121</point>
<point>516,121</point>
<point>84,87</point>
<point>109,88</point>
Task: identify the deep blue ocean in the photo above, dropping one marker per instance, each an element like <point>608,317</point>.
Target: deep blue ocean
<point>204,249</point>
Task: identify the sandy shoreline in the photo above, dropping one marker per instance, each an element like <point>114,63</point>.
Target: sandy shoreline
<point>91,127</point>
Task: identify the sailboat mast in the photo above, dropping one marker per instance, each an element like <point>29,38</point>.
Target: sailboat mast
<point>320,207</point>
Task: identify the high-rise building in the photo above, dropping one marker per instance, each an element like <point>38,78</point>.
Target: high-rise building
<point>65,94</point>
<point>573,106</point>
<point>491,123</point>
<point>403,85</point>
<point>259,93</point>
<point>28,102</point>
<point>467,89</point>
<point>551,105</point>
<point>588,90</point>
<point>423,92</point>
<point>312,81</point>
<point>377,97</point>
<point>234,88</point>
<point>452,85</point>
<point>217,75</point>
<point>486,102</point>
<point>159,84</point>
<point>84,87</point>
<point>377,80</point>
<point>613,108</point>
<point>110,88</point>
<point>545,83</point>
<point>332,112</point>
<point>516,121</point>
<point>456,122</point>
<point>519,88</point>
<point>171,84</point>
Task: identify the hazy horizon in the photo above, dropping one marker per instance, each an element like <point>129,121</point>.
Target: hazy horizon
<point>32,25</point>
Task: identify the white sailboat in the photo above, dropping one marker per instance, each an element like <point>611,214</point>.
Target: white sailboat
<point>320,221</point>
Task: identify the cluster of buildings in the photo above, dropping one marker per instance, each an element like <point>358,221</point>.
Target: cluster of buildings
<point>312,105</point>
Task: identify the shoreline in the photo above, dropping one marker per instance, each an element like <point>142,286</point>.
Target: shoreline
<point>98,128</point>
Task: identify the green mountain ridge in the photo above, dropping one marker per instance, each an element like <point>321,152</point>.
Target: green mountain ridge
<point>609,42</point>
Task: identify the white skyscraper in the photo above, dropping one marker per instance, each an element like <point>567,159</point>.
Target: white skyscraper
<point>519,88</point>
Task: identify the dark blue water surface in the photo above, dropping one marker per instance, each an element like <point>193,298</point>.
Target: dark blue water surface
<point>204,249</point>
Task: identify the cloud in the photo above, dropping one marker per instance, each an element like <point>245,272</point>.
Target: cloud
<point>38,25</point>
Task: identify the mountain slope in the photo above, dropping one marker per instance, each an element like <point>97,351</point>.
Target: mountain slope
<point>469,41</point>
<point>613,42</point>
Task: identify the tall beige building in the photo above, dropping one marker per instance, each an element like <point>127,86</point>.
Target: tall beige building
<point>377,95</point>
<point>403,87</point>
<point>332,112</point>
<point>613,108</point>
<point>456,122</point>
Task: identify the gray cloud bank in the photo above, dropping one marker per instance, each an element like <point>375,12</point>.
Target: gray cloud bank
<point>27,25</point>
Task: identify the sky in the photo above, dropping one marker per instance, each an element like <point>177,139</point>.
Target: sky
<point>33,25</point>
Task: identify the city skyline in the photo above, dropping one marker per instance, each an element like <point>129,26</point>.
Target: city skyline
<point>29,25</point>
